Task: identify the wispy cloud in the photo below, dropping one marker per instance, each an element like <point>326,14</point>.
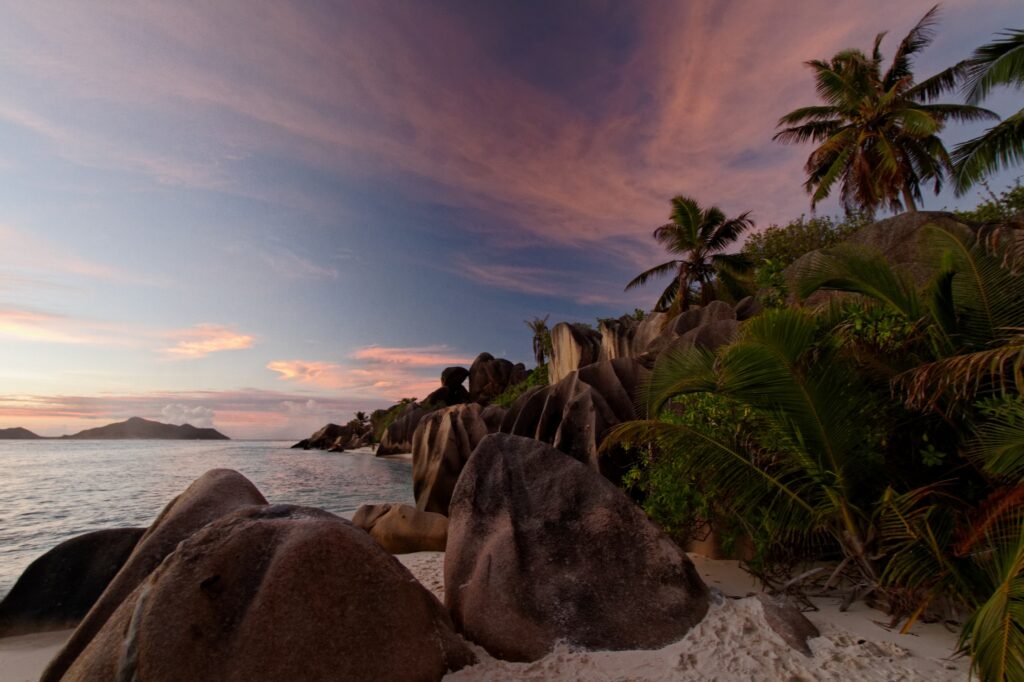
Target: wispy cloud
<point>31,325</point>
<point>423,356</point>
<point>379,371</point>
<point>204,339</point>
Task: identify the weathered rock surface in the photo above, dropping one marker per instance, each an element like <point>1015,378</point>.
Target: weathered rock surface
<point>788,622</point>
<point>493,415</point>
<point>397,436</point>
<point>572,346</point>
<point>902,239</point>
<point>490,376</point>
<point>402,528</point>
<point>211,496</point>
<point>58,589</point>
<point>443,442</point>
<point>709,326</point>
<point>542,549</point>
<point>575,414</point>
<point>454,376</point>
<point>445,396</point>
<point>747,308</point>
<point>276,593</point>
<point>337,438</point>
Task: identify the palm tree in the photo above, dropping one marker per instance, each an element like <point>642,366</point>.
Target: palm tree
<point>541,337</point>
<point>1000,62</point>
<point>698,236</point>
<point>878,132</point>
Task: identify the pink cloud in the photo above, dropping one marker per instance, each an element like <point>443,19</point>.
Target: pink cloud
<point>460,118</point>
<point>30,325</point>
<point>204,339</point>
<point>380,371</point>
<point>424,356</point>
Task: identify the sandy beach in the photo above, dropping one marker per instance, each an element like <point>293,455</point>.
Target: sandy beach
<point>732,642</point>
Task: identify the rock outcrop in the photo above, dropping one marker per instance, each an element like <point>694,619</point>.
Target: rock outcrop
<point>575,414</point>
<point>490,376</point>
<point>397,438</point>
<point>58,589</point>
<point>707,326</point>
<point>902,240</point>
<point>211,496</point>
<point>337,438</point>
<point>402,528</point>
<point>541,549</point>
<point>276,593</point>
<point>443,442</point>
<point>572,346</point>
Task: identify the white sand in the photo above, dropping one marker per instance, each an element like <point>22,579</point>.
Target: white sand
<point>732,643</point>
<point>735,643</point>
<point>23,659</point>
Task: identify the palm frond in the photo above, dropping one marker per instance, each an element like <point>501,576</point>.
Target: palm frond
<point>1000,62</point>
<point>657,271</point>
<point>861,271</point>
<point>1001,146</point>
<point>916,40</point>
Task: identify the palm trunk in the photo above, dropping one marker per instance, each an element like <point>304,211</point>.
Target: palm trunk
<point>908,200</point>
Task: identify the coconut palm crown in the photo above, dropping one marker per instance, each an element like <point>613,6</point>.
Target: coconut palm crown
<point>877,132</point>
<point>698,237</point>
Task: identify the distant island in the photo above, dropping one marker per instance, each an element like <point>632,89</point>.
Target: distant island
<point>138,428</point>
<point>18,433</point>
<point>135,428</point>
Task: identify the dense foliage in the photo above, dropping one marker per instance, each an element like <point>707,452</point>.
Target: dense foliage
<point>791,434</point>
<point>537,377</point>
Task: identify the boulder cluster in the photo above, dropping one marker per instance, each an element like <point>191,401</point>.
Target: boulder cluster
<point>224,585</point>
<point>540,549</point>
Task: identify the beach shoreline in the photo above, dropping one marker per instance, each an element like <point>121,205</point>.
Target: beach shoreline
<point>854,644</point>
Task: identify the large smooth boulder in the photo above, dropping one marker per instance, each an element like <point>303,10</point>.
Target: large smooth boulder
<point>454,376</point>
<point>617,337</point>
<point>58,589</point>
<point>446,396</point>
<point>572,346</point>
<point>402,528</point>
<point>397,438</point>
<point>576,414</point>
<point>214,494</point>
<point>490,376</point>
<point>276,593</point>
<point>902,240</point>
<point>541,549</point>
<point>443,442</point>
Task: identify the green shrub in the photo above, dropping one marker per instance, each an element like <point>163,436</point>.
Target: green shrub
<point>537,377</point>
<point>783,244</point>
<point>1007,206</point>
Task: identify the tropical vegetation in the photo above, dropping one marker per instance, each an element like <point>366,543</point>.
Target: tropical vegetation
<point>998,63</point>
<point>698,238</point>
<point>877,131</point>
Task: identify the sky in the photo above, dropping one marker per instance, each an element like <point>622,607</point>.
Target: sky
<point>263,216</point>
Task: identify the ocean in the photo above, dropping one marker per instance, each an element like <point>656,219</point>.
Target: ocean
<point>52,490</point>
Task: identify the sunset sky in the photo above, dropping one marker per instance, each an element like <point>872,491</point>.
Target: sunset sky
<point>261,216</point>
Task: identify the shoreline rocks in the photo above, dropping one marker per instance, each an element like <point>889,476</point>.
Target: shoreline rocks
<point>542,549</point>
<point>402,528</point>
<point>58,588</point>
<point>441,446</point>
<point>273,593</point>
<point>211,496</point>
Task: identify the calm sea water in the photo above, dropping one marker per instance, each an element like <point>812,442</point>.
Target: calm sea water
<point>54,490</point>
